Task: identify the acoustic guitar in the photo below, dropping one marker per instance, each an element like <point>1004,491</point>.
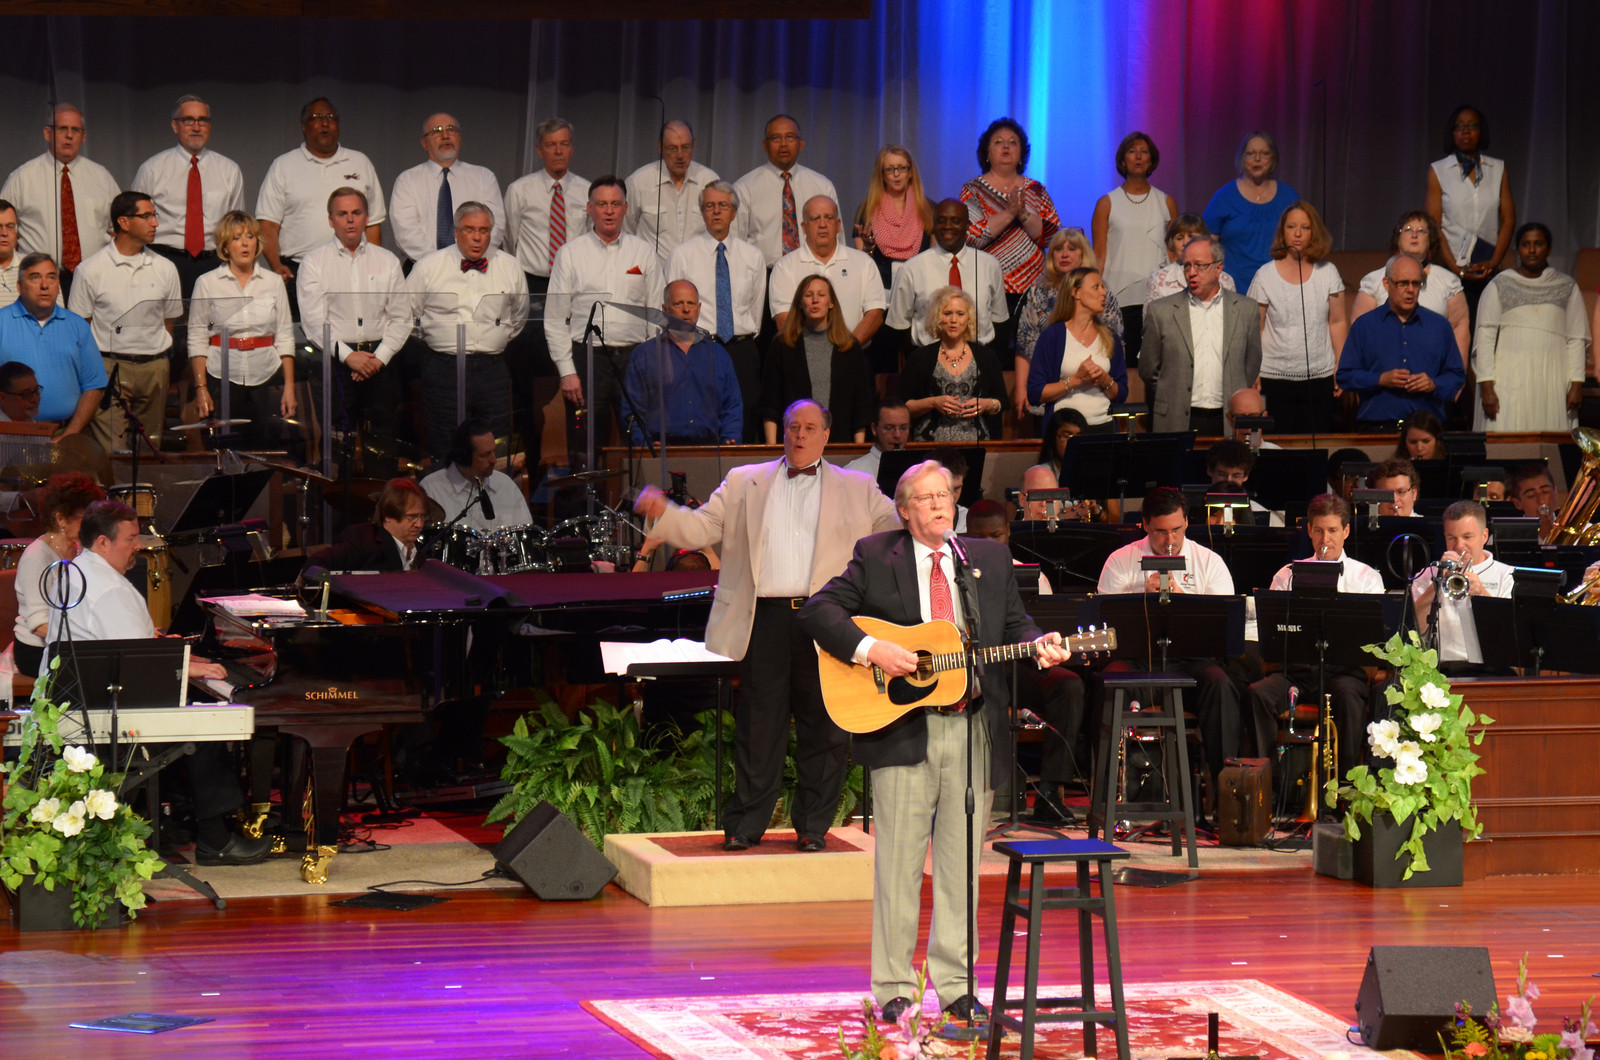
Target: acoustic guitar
<point>865,699</point>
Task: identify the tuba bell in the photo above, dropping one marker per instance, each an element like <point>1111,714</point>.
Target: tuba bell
<point>1576,523</point>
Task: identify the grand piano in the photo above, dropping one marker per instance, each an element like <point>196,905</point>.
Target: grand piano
<point>393,646</point>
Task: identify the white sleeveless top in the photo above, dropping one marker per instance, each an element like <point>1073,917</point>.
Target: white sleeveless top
<point>1471,211</point>
<point>1136,244</point>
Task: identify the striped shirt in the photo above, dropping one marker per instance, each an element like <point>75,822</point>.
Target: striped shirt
<point>1021,259</point>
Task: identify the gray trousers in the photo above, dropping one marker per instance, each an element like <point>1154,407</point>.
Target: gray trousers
<point>916,805</point>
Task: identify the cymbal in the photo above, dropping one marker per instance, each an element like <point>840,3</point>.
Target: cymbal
<point>582,478</point>
<point>209,425</point>
<point>287,469</point>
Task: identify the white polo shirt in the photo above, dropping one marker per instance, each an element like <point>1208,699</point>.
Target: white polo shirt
<point>295,193</point>
<point>111,285</point>
<point>852,272</point>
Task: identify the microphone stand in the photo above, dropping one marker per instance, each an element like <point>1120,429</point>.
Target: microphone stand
<point>971,1029</point>
<point>438,529</point>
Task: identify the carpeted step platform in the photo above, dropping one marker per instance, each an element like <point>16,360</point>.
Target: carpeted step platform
<point>691,868</point>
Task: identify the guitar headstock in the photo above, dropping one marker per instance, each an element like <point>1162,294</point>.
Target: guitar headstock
<point>1092,643</point>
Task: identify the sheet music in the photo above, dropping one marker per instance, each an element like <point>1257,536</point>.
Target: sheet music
<point>256,605</point>
<point>617,656</point>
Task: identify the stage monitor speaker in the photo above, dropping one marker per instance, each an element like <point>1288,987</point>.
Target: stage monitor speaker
<point>547,852</point>
<point>1408,993</point>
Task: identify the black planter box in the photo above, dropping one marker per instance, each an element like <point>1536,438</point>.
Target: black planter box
<point>1374,862</point>
<point>35,909</point>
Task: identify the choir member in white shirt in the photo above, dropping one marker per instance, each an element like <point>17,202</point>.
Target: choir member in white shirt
<point>131,297</point>
<point>260,337</point>
<point>294,195</point>
<point>475,284</point>
<point>63,199</point>
<point>1328,524</point>
<point>733,314</point>
<point>353,294</point>
<point>664,195</point>
<point>544,210</point>
<point>422,207</point>
<point>950,263</point>
<point>1165,522</point>
<point>609,267</point>
<point>190,181</point>
<point>10,260</point>
<point>852,272</point>
<point>774,193</point>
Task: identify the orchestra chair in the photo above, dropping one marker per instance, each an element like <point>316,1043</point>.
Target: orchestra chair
<point>1031,903</point>
<point>1106,805</point>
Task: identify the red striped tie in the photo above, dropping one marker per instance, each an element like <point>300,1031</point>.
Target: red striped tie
<point>194,215</point>
<point>939,603</point>
<point>791,226</point>
<point>558,221</point>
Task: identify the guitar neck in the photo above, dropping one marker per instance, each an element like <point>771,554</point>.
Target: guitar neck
<point>1001,653</point>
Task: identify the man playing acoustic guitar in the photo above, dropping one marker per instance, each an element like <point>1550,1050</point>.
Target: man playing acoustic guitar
<point>919,762</point>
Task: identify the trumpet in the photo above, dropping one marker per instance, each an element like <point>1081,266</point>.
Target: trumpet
<point>1453,579</point>
<point>1587,591</point>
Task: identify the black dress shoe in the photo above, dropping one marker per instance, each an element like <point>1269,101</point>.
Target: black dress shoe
<point>236,851</point>
<point>967,1007</point>
<point>1050,811</point>
<point>736,842</point>
<point>810,844</point>
<point>894,1008</point>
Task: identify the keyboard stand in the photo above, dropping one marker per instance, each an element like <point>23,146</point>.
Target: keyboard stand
<point>147,775</point>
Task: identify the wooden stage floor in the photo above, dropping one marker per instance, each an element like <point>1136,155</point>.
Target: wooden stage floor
<point>497,975</point>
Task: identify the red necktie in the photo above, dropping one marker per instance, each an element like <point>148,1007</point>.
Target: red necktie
<point>480,264</point>
<point>71,249</point>
<point>939,604</point>
<point>791,227</point>
<point>939,592</point>
<point>558,221</point>
<point>194,214</point>
<point>812,470</point>
<point>955,270</point>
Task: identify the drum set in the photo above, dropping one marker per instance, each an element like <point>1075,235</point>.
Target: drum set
<point>576,545</point>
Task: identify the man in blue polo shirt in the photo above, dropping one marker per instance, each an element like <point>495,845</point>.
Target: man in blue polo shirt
<point>56,344</point>
<point>1401,357</point>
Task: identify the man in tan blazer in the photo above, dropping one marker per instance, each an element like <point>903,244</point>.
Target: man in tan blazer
<point>786,527</point>
<point>1199,346</point>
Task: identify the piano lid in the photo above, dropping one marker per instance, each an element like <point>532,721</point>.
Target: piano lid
<point>439,591</point>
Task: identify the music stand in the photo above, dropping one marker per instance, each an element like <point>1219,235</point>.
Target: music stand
<point>219,501</point>
<point>892,465</point>
<point>1536,634</point>
<point>1101,466</point>
<point>1252,554</point>
<point>1319,629</point>
<point>1285,479</point>
<point>1519,531</point>
<point>1187,626</point>
<point>1073,551</point>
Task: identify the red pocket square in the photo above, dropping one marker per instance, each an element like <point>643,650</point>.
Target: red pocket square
<point>635,271</point>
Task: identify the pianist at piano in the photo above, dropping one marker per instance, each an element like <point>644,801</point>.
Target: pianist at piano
<point>110,608</point>
<point>389,542</point>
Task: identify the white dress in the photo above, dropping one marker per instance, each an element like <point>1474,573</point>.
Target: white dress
<point>1295,344</point>
<point>1532,342</point>
<point>1136,242</point>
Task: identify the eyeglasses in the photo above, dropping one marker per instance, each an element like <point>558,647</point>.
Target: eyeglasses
<point>193,122</point>
<point>26,395</point>
<point>441,130</point>
<point>1414,230</point>
<point>328,119</point>
<point>928,500</point>
<point>1007,142</point>
<point>148,215</point>
<point>1258,154</point>
<point>1403,284</point>
<point>715,207</point>
<point>784,138</point>
<point>1197,266</point>
<point>12,227</point>
<point>895,171</point>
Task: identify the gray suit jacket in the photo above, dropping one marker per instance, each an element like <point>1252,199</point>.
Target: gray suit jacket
<point>852,507</point>
<point>1166,358</point>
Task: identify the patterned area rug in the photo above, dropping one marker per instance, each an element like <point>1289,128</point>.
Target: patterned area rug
<point>1164,1020</point>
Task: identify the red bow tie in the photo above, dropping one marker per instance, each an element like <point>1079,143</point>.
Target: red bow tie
<point>812,470</point>
<point>481,264</point>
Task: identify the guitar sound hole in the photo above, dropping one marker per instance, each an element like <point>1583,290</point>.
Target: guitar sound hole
<point>914,688</point>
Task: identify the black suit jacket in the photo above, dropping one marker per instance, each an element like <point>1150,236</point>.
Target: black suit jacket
<point>881,582</point>
<point>362,546</point>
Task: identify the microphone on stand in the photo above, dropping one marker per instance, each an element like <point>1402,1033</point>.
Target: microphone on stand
<point>952,539</point>
<point>487,505</point>
<point>111,386</point>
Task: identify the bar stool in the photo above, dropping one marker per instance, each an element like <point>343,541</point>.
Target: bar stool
<point>1032,904</point>
<point>1177,809</point>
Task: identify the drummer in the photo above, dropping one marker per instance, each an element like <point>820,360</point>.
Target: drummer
<point>470,487</point>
